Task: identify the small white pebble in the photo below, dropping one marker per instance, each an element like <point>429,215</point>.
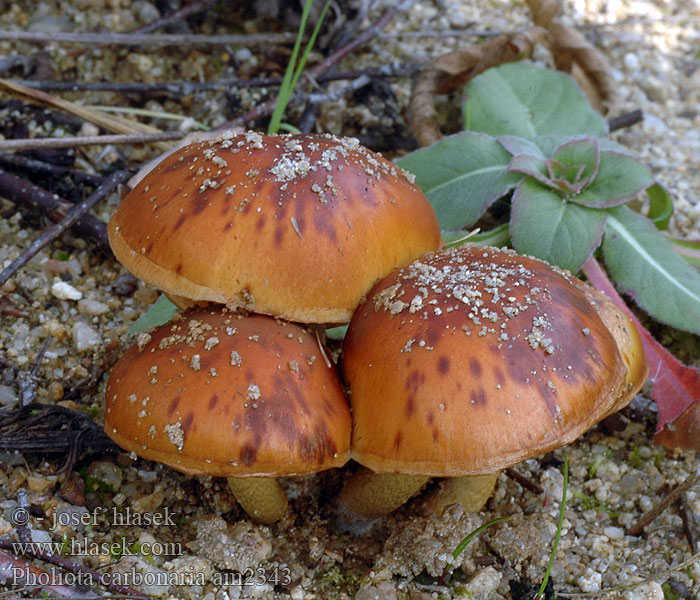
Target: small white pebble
<point>85,337</point>
<point>65,291</point>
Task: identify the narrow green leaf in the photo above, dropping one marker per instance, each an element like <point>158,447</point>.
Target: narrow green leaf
<point>527,101</point>
<point>557,536</point>
<point>461,175</point>
<point>465,542</point>
<point>644,265</point>
<point>660,206</point>
<point>545,225</point>
<point>160,312</point>
<point>620,178</point>
<point>498,236</point>
<point>294,68</point>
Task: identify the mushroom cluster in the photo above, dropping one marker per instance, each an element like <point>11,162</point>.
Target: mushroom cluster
<point>298,227</point>
<point>458,364</point>
<point>470,360</point>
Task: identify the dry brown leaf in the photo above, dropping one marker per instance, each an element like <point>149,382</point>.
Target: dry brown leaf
<point>573,53</point>
<point>451,71</point>
<point>101,119</point>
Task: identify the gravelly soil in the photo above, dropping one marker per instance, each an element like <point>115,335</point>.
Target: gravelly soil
<point>84,304</point>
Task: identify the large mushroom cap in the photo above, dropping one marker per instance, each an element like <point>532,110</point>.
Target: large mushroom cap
<point>297,226</point>
<point>472,359</point>
<point>221,394</point>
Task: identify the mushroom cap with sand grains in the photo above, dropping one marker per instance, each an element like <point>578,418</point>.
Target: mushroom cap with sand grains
<point>221,394</point>
<point>473,359</point>
<point>296,226</point>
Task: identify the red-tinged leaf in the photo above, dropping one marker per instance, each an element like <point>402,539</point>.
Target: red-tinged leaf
<point>684,432</point>
<point>675,387</point>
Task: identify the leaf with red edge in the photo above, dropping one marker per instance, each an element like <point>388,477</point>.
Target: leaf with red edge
<point>675,387</point>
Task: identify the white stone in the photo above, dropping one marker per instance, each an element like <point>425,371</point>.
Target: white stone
<point>590,581</point>
<point>65,291</point>
<point>614,533</point>
<point>484,583</point>
<point>85,337</point>
<point>92,307</point>
<point>7,396</point>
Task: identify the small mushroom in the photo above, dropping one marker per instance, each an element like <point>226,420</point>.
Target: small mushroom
<point>473,359</point>
<point>217,393</point>
<point>295,226</point>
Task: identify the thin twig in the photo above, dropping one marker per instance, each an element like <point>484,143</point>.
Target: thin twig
<point>91,140</point>
<point>189,87</point>
<point>689,525</point>
<point>629,586</point>
<point>526,482</point>
<point>34,198</point>
<point>146,39</point>
<point>71,217</point>
<point>89,575</point>
<point>625,120</point>
<point>15,571</point>
<point>175,16</point>
<point>669,499</point>
<point>31,165</point>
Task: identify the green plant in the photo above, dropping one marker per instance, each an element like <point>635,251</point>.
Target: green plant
<point>534,136</point>
<point>295,67</point>
<point>163,309</point>
<point>557,535</point>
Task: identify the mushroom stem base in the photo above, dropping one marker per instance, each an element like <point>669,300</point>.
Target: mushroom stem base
<point>371,495</point>
<point>261,497</point>
<point>471,493</point>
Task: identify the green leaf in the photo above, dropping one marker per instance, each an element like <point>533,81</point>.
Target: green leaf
<point>461,175</point>
<point>533,166</point>
<point>519,145</point>
<point>498,236</point>
<point>545,225</point>
<point>660,206</point>
<point>337,333</point>
<point>470,536</point>
<point>644,265</point>
<point>527,101</point>
<point>620,178</point>
<point>688,249</point>
<point>575,163</point>
<point>547,144</point>
<point>160,312</point>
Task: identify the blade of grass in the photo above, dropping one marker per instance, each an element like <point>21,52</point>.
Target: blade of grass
<point>465,542</point>
<point>557,536</point>
<point>294,69</point>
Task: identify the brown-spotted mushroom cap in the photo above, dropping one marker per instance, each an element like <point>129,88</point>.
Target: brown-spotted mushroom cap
<point>472,359</point>
<point>217,393</point>
<point>296,226</point>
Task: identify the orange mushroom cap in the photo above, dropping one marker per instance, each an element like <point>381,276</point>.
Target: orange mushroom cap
<point>296,226</point>
<point>472,359</point>
<point>222,394</point>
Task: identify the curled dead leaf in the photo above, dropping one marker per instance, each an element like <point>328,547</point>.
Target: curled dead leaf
<point>451,71</point>
<point>573,53</point>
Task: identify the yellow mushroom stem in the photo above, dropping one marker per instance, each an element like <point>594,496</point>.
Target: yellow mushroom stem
<point>368,494</point>
<point>261,497</point>
<point>471,493</point>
